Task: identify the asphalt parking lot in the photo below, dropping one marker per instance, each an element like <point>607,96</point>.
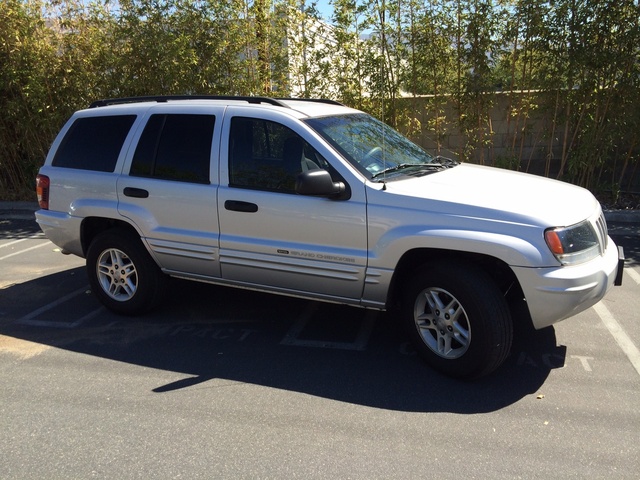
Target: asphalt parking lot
<point>223,383</point>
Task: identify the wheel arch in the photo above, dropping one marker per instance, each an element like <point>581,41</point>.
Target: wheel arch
<point>93,226</point>
<point>420,258</point>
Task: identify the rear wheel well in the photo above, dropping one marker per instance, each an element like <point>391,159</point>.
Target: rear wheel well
<point>415,260</point>
<point>93,226</point>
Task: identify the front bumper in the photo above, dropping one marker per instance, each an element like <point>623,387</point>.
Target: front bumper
<point>554,294</point>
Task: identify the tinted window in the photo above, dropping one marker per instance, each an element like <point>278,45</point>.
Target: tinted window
<point>175,147</point>
<point>94,143</point>
<point>145,155</point>
<point>267,155</point>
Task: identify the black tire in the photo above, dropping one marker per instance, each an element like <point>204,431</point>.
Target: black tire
<point>122,274</point>
<point>457,319</point>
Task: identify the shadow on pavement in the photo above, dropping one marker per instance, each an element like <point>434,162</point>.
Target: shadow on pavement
<point>203,332</point>
<point>17,228</point>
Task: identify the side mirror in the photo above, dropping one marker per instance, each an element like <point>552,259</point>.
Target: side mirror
<point>319,183</point>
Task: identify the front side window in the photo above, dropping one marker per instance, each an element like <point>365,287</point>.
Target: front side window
<point>266,155</point>
<point>94,143</point>
<point>175,147</point>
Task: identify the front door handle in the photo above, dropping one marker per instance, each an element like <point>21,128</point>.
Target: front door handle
<point>135,192</point>
<point>239,206</point>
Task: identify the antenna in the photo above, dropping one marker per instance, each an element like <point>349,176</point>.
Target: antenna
<point>384,148</point>
<point>382,118</point>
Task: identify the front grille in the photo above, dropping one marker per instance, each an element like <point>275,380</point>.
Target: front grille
<point>601,232</point>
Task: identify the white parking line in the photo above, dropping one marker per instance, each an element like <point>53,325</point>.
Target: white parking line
<point>30,319</point>
<point>40,245</point>
<point>620,336</point>
<point>14,242</point>
<point>50,324</point>
<point>35,236</point>
<point>635,276</point>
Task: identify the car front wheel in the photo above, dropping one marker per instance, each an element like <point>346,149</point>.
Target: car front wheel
<point>457,319</point>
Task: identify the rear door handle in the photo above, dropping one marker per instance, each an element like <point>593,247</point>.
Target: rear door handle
<point>238,206</point>
<point>135,192</point>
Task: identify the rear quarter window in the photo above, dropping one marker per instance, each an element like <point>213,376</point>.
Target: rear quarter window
<point>93,143</point>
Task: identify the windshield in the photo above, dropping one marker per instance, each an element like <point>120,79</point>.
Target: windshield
<point>372,146</point>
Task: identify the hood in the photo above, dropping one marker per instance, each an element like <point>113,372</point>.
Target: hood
<point>487,192</point>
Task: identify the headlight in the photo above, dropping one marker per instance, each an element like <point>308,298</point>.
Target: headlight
<point>573,245</point>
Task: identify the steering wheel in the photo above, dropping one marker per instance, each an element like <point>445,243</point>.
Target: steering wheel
<point>369,160</point>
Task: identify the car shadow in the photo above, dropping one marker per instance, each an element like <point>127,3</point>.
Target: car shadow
<point>204,332</point>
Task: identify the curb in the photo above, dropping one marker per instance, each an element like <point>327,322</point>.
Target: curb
<point>10,206</point>
<point>18,210</point>
<point>622,216</point>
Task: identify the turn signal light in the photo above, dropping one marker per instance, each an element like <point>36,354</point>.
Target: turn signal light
<point>554,242</point>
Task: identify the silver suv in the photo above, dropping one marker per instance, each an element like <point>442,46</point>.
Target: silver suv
<point>317,200</point>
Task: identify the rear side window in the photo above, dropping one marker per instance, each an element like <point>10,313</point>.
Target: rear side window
<point>94,143</point>
<point>175,147</point>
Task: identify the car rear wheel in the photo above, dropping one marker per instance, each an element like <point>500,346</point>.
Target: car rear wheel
<point>457,319</point>
<point>122,274</point>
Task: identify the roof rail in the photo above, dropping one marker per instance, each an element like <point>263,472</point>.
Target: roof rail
<point>316,100</point>
<point>166,98</point>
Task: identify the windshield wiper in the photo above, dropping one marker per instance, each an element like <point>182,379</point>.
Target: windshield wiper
<point>445,161</point>
<point>402,166</point>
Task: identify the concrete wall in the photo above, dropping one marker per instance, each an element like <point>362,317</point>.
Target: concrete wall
<point>528,144</point>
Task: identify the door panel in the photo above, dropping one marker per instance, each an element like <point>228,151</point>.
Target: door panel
<point>272,237</point>
<point>296,243</point>
<point>179,222</point>
<point>170,192</point>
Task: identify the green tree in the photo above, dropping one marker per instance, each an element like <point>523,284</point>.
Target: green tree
<point>569,67</point>
<point>349,52</point>
<point>28,57</point>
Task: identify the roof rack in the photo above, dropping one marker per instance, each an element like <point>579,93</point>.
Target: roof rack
<point>316,100</point>
<point>165,98</point>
